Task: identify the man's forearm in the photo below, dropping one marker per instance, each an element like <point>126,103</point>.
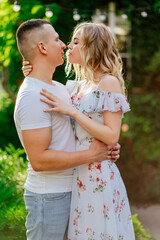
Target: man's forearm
<point>37,142</point>
<point>51,160</point>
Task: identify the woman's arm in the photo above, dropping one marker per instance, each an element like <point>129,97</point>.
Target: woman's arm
<point>107,132</point>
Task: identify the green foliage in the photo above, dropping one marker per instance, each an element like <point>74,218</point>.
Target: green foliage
<point>145,47</point>
<point>140,232</point>
<point>12,224</point>
<point>13,174</point>
<point>144,124</point>
<point>140,155</point>
<point>8,133</point>
<point>9,22</point>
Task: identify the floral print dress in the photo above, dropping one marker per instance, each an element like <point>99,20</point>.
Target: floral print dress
<point>99,207</point>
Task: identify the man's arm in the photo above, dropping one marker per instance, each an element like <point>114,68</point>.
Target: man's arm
<point>37,141</point>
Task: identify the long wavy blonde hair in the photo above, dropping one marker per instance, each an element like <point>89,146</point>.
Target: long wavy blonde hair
<point>98,53</point>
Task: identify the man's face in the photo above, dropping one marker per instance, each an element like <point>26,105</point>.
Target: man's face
<point>55,47</point>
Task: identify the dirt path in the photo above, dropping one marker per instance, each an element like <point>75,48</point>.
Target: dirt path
<point>150,219</point>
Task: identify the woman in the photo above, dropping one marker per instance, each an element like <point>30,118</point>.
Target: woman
<point>99,208</point>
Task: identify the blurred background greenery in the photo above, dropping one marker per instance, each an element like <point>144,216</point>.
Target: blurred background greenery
<point>136,27</point>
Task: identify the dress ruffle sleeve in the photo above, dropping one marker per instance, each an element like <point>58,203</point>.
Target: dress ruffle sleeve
<point>100,101</point>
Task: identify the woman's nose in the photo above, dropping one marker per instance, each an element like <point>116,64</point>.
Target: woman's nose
<point>70,46</point>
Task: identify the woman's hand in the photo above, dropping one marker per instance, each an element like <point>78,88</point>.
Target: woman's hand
<point>27,68</point>
<point>57,104</point>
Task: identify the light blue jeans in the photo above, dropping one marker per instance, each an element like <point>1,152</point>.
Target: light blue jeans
<point>48,215</point>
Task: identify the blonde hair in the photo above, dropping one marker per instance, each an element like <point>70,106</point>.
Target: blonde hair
<point>98,53</point>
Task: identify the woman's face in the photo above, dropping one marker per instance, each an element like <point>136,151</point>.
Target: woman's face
<point>74,56</point>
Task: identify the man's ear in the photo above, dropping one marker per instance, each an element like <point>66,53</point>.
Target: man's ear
<point>42,48</point>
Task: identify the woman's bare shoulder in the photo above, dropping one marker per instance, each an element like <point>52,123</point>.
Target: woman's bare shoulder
<point>110,83</point>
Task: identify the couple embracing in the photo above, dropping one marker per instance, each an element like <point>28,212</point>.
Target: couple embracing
<point>70,135</point>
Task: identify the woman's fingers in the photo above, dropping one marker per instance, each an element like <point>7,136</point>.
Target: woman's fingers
<point>25,62</point>
<point>49,95</point>
<point>51,98</point>
<point>48,102</point>
<point>26,74</point>
<point>25,71</point>
<point>26,68</point>
<point>51,110</point>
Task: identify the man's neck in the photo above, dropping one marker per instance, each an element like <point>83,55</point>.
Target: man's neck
<point>43,72</point>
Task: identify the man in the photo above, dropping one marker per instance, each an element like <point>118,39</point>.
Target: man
<point>47,137</point>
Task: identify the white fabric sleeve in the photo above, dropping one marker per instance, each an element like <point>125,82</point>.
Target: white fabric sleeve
<point>100,101</point>
<point>31,114</point>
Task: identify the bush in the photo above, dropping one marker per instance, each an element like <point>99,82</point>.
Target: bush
<point>140,155</point>
<point>8,133</point>
<point>140,232</point>
<point>12,210</point>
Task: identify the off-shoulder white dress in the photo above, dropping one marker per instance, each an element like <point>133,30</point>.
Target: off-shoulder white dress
<point>99,207</point>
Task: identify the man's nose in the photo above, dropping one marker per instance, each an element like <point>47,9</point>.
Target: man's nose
<point>63,46</point>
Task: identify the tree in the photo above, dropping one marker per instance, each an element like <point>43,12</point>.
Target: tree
<point>10,59</point>
<point>145,47</point>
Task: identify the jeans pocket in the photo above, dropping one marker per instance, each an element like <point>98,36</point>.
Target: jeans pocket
<point>31,203</point>
<point>54,197</point>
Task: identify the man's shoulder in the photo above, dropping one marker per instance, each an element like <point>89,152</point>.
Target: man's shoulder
<point>58,84</point>
<point>28,96</point>
<point>27,92</point>
<point>26,86</point>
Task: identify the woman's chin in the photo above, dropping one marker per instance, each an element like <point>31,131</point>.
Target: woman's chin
<point>70,60</point>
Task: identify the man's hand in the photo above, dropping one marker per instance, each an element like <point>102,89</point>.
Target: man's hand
<point>115,152</point>
<point>99,151</point>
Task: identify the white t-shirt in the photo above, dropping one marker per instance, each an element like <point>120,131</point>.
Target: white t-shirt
<point>29,114</point>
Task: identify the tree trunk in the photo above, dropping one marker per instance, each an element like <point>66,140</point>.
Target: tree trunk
<point>5,78</point>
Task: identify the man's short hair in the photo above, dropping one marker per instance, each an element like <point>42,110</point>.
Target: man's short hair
<point>22,35</point>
